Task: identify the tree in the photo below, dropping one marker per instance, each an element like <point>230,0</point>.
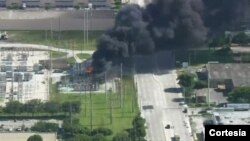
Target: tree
<point>200,84</point>
<point>118,5</point>
<point>241,39</point>
<point>72,106</point>
<point>33,106</point>
<point>71,127</point>
<point>98,137</point>
<point>35,138</point>
<point>52,107</point>
<point>240,95</point>
<point>13,107</point>
<point>138,132</point>
<point>221,41</point>
<point>81,137</point>
<point>121,137</point>
<point>45,127</point>
<point>103,131</point>
<point>186,80</point>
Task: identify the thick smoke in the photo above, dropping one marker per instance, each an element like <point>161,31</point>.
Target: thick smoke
<point>176,24</point>
<point>163,24</point>
<point>221,15</point>
<point>129,36</point>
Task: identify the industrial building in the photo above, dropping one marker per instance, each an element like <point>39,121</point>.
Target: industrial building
<point>22,77</point>
<point>54,3</point>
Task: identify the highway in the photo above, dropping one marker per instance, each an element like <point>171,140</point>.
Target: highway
<point>151,88</point>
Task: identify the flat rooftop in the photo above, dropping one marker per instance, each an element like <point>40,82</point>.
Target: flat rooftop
<point>238,73</point>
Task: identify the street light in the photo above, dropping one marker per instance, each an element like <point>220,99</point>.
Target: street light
<point>208,79</point>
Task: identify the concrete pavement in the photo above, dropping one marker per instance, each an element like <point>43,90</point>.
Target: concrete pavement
<point>151,92</point>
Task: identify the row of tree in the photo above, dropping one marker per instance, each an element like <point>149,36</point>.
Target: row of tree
<point>225,41</point>
<point>241,38</point>
<point>36,106</point>
<point>45,127</point>
<point>73,131</point>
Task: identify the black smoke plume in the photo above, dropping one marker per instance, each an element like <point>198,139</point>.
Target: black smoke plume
<point>221,15</point>
<point>163,24</point>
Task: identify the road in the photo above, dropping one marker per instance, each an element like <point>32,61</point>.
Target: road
<point>151,88</point>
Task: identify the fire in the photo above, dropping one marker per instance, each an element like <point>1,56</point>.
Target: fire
<point>89,70</point>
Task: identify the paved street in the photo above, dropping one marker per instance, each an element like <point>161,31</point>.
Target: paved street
<point>151,92</point>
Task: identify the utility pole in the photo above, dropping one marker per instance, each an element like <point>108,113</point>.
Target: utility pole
<point>59,27</point>
<point>105,86</point>
<point>85,99</point>
<point>51,32</point>
<point>208,84</point>
<point>121,94</point>
<point>111,110</point>
<point>87,28</point>
<point>84,29</point>
<point>91,108</point>
<point>71,127</point>
<point>46,36</point>
<point>208,79</point>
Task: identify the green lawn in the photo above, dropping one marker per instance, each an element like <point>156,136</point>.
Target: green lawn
<point>71,60</point>
<point>84,56</point>
<point>121,117</point>
<point>55,54</point>
<point>65,39</point>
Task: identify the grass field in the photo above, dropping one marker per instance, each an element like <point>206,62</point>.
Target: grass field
<point>71,60</point>
<point>64,39</point>
<point>121,117</point>
<point>55,54</point>
<point>84,56</point>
